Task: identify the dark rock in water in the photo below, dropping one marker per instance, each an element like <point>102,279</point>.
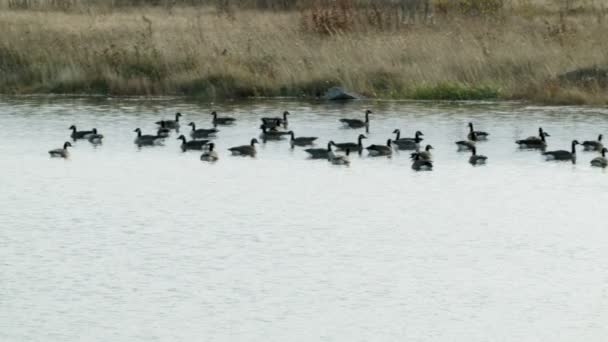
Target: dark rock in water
<point>338,93</point>
<point>586,77</point>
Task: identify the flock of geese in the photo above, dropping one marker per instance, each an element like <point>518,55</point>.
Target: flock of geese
<point>275,128</point>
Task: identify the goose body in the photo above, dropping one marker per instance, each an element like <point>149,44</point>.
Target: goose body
<point>276,121</point>
<point>170,124</point>
<point>600,161</point>
<point>358,146</point>
<point>380,150</point>
<point>594,145</point>
<point>407,143</point>
<point>221,120</point>
<point>477,159</point>
<point>319,153</point>
<point>421,165</point>
<point>562,154</point>
<point>76,134</point>
<point>94,137</point>
<point>163,131</point>
<point>479,135</point>
<point>61,152</point>
<point>192,144</point>
<point>301,141</point>
<point>146,139</point>
<point>210,155</point>
<point>424,155</point>
<point>202,132</point>
<point>357,123</point>
<point>534,142</point>
<point>271,134</point>
<point>467,145</point>
<point>340,160</point>
<point>245,150</point>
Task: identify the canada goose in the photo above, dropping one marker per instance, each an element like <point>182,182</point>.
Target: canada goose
<point>420,164</point>
<point>424,155</point>
<point>340,160</point>
<point>319,153</point>
<point>301,141</point>
<point>467,145</point>
<point>163,131</point>
<point>202,132</point>
<point>357,123</point>
<point>358,146</point>
<point>407,143</point>
<point>210,155</point>
<point>61,152</point>
<point>563,155</point>
<point>534,142</point>
<point>380,150</point>
<point>171,124</point>
<point>79,134</point>
<point>221,121</point>
<point>594,145</point>
<point>600,161</point>
<point>476,159</point>
<point>479,135</point>
<point>271,134</point>
<point>146,139</point>
<point>192,144</point>
<point>245,150</point>
<point>276,121</point>
<point>94,137</point>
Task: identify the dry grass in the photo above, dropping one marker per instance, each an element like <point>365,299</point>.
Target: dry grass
<point>198,51</point>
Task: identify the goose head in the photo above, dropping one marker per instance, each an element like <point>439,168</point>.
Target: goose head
<point>388,143</point>
<point>73,128</point>
<point>329,146</point>
<point>285,113</point>
<point>138,131</point>
<point>361,136</point>
<point>214,114</point>
<point>254,141</point>
<point>66,145</point>
<point>418,134</point>
<point>429,147</point>
<point>396,131</point>
<point>604,150</point>
<point>94,130</point>
<point>599,138</point>
<point>193,125</point>
<point>182,138</point>
<point>177,115</point>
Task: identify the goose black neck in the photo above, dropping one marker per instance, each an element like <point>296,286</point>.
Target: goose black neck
<point>177,115</point>
<point>183,139</point>
<point>398,135</point>
<point>573,147</point>
<point>366,116</point>
<point>599,138</point>
<point>292,135</point>
<point>604,152</point>
<point>193,126</point>
<point>471,128</point>
<point>65,145</point>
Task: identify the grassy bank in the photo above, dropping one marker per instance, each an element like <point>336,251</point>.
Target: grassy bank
<point>514,53</point>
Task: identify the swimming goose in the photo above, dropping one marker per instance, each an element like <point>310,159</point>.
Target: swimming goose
<point>171,124</point>
<point>562,154</point>
<point>245,150</point>
<point>407,143</point>
<point>94,137</point>
<point>534,142</point>
<point>163,131</point>
<point>301,141</point>
<point>476,159</point>
<point>271,134</point>
<point>358,146</point>
<point>357,123</point>
<point>221,121</point>
<point>202,132</point>
<point>480,135</point>
<point>319,153</point>
<point>340,160</point>
<point>594,145</point>
<point>210,155</point>
<point>276,121</point>
<point>380,150</point>
<point>424,155</point>
<point>61,152</point>
<point>79,134</point>
<point>421,165</point>
<point>192,144</point>
<point>146,139</point>
<point>467,145</point>
<point>600,161</point>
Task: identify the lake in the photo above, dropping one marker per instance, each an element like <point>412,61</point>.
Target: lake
<point>120,243</point>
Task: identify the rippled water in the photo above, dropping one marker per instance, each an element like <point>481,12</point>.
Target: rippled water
<point>125,244</point>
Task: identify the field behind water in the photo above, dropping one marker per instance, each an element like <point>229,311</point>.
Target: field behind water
<point>438,50</point>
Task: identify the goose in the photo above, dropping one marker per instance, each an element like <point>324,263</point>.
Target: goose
<point>358,146</point>
<point>424,155</point>
<point>477,159</point>
<point>357,123</point>
<point>276,121</point>
<point>407,143</point>
<point>146,139</point>
<point>271,134</point>
<point>192,144</point>
<point>319,153</point>
<point>534,142</point>
<point>79,134</point>
<point>340,160</point>
<point>171,124</point>
<point>61,152</point>
<point>94,137</point>
<point>202,132</point>
<point>562,154</point>
<point>245,150</point>
<point>210,155</point>
<point>380,150</point>
<point>421,165</point>
<point>479,135</point>
<point>600,161</point>
<point>594,145</point>
<point>467,145</point>
<point>163,131</point>
<point>222,121</point>
<point>301,141</point>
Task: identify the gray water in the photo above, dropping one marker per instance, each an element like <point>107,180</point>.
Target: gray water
<point>118,243</point>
